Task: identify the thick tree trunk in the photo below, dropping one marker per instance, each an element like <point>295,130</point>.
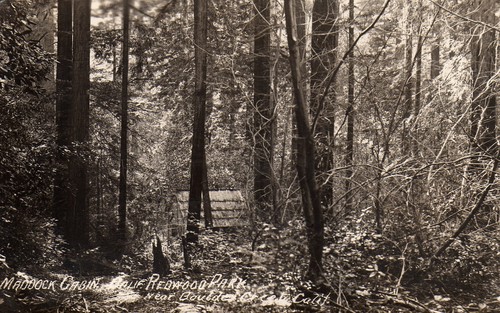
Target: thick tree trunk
<point>78,216</point>
<point>122,197</point>
<point>324,44</point>
<point>313,212</point>
<point>198,149</point>
<point>263,118</point>
<point>64,104</point>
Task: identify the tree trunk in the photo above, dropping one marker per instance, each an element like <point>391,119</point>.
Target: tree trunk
<point>324,45</point>
<point>63,113</point>
<point>435,59</point>
<point>418,97</point>
<point>122,197</point>
<point>311,204</point>
<point>407,83</point>
<point>263,118</point>
<point>207,206</point>
<point>350,115</point>
<point>79,212</point>
<point>198,149</point>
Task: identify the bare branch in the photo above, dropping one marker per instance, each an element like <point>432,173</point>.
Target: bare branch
<point>344,57</point>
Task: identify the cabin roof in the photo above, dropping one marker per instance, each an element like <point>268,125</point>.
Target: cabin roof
<point>228,209</point>
<point>215,196</point>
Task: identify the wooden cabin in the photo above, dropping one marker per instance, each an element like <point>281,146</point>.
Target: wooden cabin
<point>228,210</point>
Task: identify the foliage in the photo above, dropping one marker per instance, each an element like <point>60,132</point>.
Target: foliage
<point>23,63</point>
<point>26,145</point>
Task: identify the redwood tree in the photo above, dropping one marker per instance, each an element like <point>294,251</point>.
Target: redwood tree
<point>198,141</point>
<point>263,111</point>
<point>122,199</point>
<point>324,42</point>
<point>78,215</point>
<point>63,112</point>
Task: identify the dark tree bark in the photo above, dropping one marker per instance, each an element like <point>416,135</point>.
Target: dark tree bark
<point>324,43</point>
<point>185,253</point>
<point>311,204</point>
<point>78,216</point>
<point>207,206</point>
<point>263,119</point>
<point>63,113</point>
<point>198,149</point>
<point>161,266</point>
<point>435,60</point>
<point>122,197</point>
<point>350,115</point>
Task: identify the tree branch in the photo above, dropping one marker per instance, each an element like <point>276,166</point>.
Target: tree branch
<point>465,17</point>
<point>344,57</point>
<point>472,213</point>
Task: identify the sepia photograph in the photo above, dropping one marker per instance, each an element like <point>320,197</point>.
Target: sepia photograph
<point>253,156</point>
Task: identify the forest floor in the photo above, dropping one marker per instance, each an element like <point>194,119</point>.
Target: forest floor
<point>229,276</point>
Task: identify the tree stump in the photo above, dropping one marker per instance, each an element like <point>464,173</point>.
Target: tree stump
<point>185,250</point>
<point>160,262</point>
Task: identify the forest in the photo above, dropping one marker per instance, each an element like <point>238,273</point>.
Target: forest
<point>249,156</point>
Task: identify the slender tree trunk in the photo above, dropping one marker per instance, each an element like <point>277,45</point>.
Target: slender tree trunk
<point>435,59</point>
<point>122,196</point>
<point>378,206</point>
<point>207,207</point>
<point>200,94</point>
<point>350,115</point>
<point>416,190</point>
<point>418,97</point>
<point>324,45</point>
<point>64,104</point>
<point>263,119</point>
<point>408,82</point>
<point>99,186</point>
<point>79,211</point>
<point>313,212</point>
<point>418,83</point>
